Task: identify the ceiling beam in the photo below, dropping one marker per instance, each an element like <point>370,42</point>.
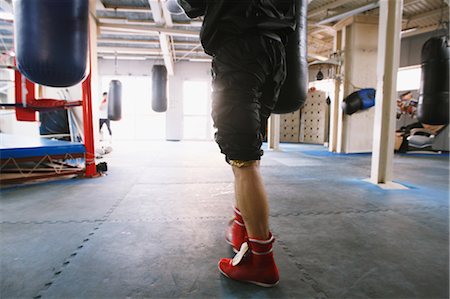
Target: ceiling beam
<point>166,14</point>
<point>155,7</point>
<point>409,33</point>
<point>149,29</point>
<point>320,29</point>
<point>411,2</point>
<point>6,27</point>
<point>144,42</point>
<point>142,51</point>
<point>324,8</point>
<point>130,50</point>
<point>316,56</point>
<point>5,6</point>
<point>425,15</point>
<point>128,41</point>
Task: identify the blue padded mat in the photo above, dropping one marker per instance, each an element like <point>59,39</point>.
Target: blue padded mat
<point>13,146</point>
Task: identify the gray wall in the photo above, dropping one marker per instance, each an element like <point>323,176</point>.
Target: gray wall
<point>411,48</point>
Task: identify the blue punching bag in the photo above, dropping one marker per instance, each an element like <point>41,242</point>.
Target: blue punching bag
<point>51,40</point>
<point>434,87</point>
<point>359,100</point>
<point>294,91</point>
<point>159,88</point>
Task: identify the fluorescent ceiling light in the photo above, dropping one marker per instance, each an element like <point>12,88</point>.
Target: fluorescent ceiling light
<point>409,30</point>
<point>331,61</point>
<point>200,60</point>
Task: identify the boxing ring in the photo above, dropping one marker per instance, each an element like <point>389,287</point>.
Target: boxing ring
<point>25,158</point>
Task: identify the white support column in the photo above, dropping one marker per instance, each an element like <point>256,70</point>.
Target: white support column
<point>334,105</point>
<point>273,135</point>
<point>385,102</point>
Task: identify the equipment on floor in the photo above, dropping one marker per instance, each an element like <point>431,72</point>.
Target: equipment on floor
<point>434,86</point>
<point>422,137</point>
<point>294,91</point>
<point>359,100</point>
<point>115,100</point>
<point>159,88</point>
<point>52,40</point>
<point>102,167</point>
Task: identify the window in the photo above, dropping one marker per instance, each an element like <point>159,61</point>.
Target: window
<point>408,78</point>
<point>139,121</point>
<point>196,106</point>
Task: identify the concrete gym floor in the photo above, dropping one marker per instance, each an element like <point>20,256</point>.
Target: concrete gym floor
<point>154,227</point>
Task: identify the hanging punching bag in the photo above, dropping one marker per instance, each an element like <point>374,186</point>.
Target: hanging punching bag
<point>115,100</point>
<point>174,8</point>
<point>159,88</point>
<point>434,87</point>
<point>294,91</point>
<point>51,40</point>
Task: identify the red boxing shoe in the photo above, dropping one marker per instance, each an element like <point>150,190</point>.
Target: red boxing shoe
<point>236,232</point>
<point>254,263</point>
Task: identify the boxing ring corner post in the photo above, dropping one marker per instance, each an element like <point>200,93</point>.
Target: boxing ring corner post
<point>88,126</point>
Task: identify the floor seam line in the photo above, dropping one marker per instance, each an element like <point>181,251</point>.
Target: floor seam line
<point>320,213</point>
<point>304,275</point>
<point>67,260</point>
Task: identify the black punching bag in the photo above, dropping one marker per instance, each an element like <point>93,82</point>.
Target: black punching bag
<point>294,91</point>
<point>433,98</point>
<point>159,88</point>
<point>115,100</point>
<point>51,40</point>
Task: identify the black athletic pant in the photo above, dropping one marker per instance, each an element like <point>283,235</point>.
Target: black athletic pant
<point>248,72</point>
<point>105,121</point>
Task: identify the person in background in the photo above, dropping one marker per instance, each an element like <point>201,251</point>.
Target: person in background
<point>104,114</point>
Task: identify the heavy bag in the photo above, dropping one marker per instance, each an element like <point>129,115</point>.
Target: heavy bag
<point>359,100</point>
<point>433,96</point>
<point>51,40</point>
<point>193,8</point>
<point>174,8</point>
<point>159,88</point>
<point>115,100</point>
<point>294,91</point>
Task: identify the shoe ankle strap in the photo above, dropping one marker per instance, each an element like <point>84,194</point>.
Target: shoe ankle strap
<point>236,210</point>
<point>263,242</point>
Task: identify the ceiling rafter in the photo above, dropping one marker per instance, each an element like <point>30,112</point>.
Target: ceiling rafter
<point>425,15</point>
<point>326,7</point>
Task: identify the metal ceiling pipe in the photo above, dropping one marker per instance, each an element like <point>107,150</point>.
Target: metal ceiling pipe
<point>349,13</point>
